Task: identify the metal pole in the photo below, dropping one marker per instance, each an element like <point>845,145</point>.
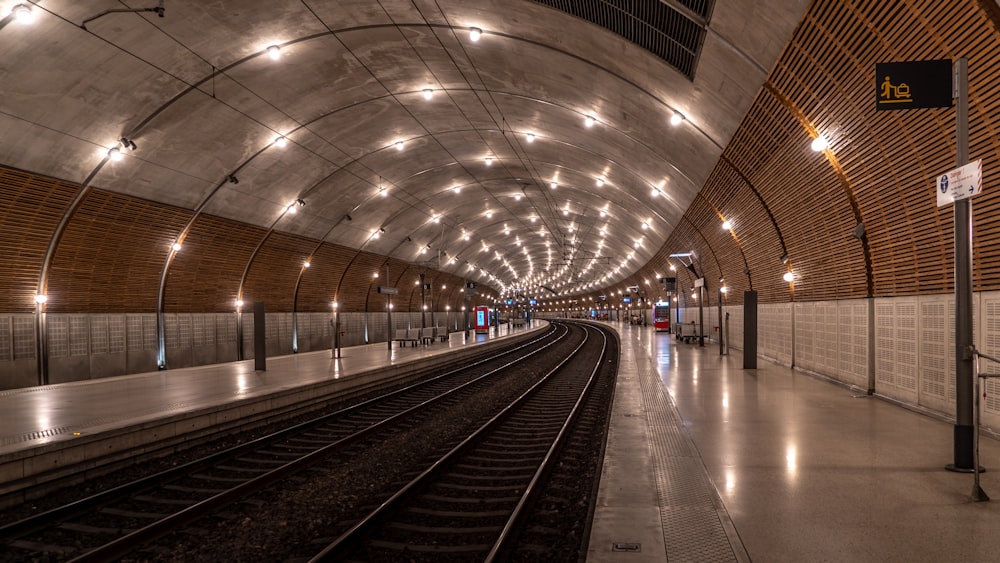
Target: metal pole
<point>388,312</point>
<point>701,315</point>
<point>964,373</point>
<point>336,330</point>
<point>423,305</point>
<point>978,494</point>
<point>722,335</point>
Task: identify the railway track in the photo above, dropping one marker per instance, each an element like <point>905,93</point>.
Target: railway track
<point>116,522</point>
<point>470,505</point>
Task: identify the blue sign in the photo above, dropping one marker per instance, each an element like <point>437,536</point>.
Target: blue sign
<point>533,302</point>
<point>627,300</point>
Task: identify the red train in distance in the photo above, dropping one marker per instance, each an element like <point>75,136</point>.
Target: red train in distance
<point>661,316</point>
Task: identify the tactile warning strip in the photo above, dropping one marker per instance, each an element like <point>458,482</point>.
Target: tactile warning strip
<point>692,515</point>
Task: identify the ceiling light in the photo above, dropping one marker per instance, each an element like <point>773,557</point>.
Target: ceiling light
<point>727,225</point>
<point>600,182</point>
<point>281,142</point>
<point>428,93</point>
<point>517,197</point>
<point>788,277</point>
<point>553,185</point>
<point>533,218</point>
<point>475,33</point>
<point>456,189</point>
<point>819,144</point>
<point>306,264</point>
<point>115,154</point>
<point>489,160</point>
<point>176,247</point>
<point>22,13</point>
<point>127,144</point>
<point>239,302</point>
<point>40,298</point>
<point>489,214</point>
<point>676,118</point>
<point>399,145</point>
<point>530,137</point>
<point>274,52</point>
<point>589,121</point>
<point>645,225</point>
<point>437,218</point>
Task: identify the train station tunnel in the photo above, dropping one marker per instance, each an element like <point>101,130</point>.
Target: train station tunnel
<point>167,165</point>
<point>806,183</point>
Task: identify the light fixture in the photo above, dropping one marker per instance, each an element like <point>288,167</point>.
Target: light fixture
<point>475,33</point>
<point>437,218</point>
<point>127,144</point>
<point>115,154</point>
<point>727,225</point>
<point>645,225</point>
<point>22,13</point>
<point>375,275</point>
<point>530,137</point>
<point>306,264</point>
<point>517,197</point>
<point>399,145</point>
<point>239,302</point>
<point>428,93</point>
<point>176,247</point>
<point>589,121</point>
<point>788,277</point>
<point>489,214</point>
<point>281,142</point>
<point>489,160</point>
<point>274,52</point>
<point>724,289</point>
<point>553,185</point>
<point>819,144</point>
<point>456,189</point>
<point>676,118</point>
<point>600,182</point>
<point>232,179</point>
<point>784,258</point>
<point>40,298</point>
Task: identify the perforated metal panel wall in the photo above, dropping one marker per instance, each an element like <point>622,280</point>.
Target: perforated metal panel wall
<point>774,332</point>
<point>735,326</point>
<point>895,348</point>
<point>852,342</point>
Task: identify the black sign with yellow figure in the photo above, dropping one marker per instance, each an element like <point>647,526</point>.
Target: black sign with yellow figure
<point>913,84</point>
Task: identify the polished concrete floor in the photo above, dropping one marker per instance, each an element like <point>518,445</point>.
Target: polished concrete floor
<point>799,469</point>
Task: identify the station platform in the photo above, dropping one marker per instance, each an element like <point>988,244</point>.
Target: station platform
<point>707,461</point>
<point>49,433</point>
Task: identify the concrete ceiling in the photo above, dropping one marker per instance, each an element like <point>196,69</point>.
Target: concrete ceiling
<point>198,95</point>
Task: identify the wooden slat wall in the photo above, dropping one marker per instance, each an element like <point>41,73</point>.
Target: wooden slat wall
<point>30,209</point>
<point>276,268</point>
<point>885,162</point>
<point>111,255</point>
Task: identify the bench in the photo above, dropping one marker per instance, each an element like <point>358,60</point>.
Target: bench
<point>404,335</point>
<point>427,335</point>
<point>441,333</point>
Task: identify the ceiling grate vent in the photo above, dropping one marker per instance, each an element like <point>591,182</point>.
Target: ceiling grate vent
<point>673,30</point>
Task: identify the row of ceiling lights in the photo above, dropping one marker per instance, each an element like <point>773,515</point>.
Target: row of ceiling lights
<point>23,13</point>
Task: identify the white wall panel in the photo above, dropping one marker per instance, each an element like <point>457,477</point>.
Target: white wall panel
<point>774,334</point>
<point>6,338</point>
<point>805,319</point>
<point>936,336</point>
<point>852,342</point>
<point>896,348</point>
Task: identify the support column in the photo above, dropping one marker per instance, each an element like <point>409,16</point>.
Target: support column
<point>964,371</point>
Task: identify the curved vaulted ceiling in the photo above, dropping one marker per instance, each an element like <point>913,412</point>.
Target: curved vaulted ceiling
<point>541,154</point>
